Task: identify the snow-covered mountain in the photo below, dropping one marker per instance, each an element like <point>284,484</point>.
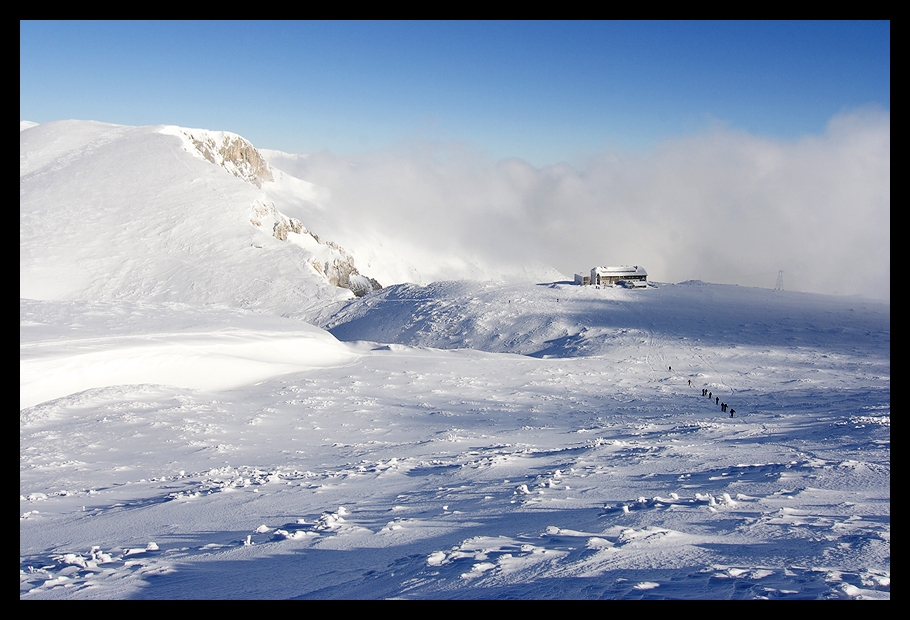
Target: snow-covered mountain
<point>167,214</point>
<point>183,434</point>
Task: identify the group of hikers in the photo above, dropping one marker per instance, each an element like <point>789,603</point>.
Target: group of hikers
<point>705,392</point>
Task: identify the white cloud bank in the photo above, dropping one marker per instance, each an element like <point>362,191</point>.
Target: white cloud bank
<point>723,206</point>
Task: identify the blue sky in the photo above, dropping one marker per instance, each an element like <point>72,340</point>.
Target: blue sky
<point>719,151</point>
<point>544,92</point>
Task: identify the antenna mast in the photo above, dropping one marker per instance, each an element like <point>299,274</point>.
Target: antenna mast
<point>780,281</point>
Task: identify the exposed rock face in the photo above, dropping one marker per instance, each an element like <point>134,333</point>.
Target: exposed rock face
<point>341,272</point>
<point>333,263</point>
<point>280,230</point>
<point>338,272</point>
<point>361,285</point>
<point>241,159</point>
<point>232,153</point>
<point>262,210</point>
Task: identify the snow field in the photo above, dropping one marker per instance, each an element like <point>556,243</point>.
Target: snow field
<point>444,474</point>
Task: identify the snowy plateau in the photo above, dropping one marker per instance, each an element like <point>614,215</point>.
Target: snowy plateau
<point>231,390</point>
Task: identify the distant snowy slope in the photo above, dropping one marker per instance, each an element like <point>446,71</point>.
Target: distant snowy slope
<point>164,214</point>
<point>565,320</point>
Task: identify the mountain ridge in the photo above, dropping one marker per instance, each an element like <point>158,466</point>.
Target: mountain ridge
<point>131,217</point>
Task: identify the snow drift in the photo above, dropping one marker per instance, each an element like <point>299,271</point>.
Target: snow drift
<point>120,343</point>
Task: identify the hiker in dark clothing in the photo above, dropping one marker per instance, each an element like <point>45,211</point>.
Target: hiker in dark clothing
<point>732,411</point>
<point>710,395</point>
<point>690,382</point>
<point>717,400</point>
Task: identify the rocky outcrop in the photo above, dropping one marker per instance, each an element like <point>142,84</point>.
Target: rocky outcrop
<point>280,230</point>
<point>331,261</point>
<point>241,159</point>
<point>231,152</point>
<point>342,272</point>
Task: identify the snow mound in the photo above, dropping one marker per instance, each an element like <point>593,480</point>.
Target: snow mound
<point>61,351</point>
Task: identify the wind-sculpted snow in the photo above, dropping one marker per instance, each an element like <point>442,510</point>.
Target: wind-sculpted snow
<point>423,473</point>
<point>565,320</point>
<point>110,344</point>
